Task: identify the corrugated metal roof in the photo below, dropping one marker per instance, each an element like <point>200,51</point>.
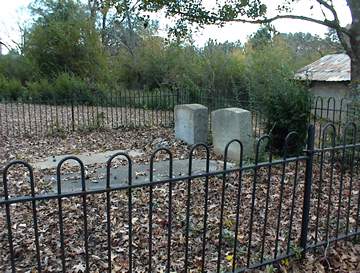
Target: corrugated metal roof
<point>330,68</point>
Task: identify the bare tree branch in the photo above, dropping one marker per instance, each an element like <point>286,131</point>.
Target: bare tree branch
<point>331,24</point>
<point>8,48</point>
<point>337,27</point>
<point>328,6</point>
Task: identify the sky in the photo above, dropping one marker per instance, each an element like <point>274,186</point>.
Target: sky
<point>14,13</point>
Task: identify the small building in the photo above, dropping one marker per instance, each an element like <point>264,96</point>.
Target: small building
<point>329,77</point>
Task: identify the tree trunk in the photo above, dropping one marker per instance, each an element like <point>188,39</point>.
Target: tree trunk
<point>103,29</point>
<point>355,79</point>
<point>355,67</point>
<point>93,5</point>
<point>354,53</point>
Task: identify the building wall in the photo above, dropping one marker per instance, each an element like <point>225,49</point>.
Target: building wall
<point>326,90</point>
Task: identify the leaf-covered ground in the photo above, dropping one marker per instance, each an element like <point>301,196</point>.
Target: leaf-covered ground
<point>343,257</point>
<point>277,212</point>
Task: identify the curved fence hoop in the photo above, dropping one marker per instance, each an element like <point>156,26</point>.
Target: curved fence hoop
<point>191,154</point>
<point>329,101</point>
<point>352,127</point>
<point>5,176</point>
<point>286,142</point>
<point>34,212</point>
<point>82,172</point>
<point>317,105</point>
<point>227,150</point>
<point>168,152</point>
<point>325,132</point>
<point>258,143</point>
<point>108,167</point>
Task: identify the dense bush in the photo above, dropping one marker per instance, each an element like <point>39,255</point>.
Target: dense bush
<point>63,89</point>
<point>39,90</point>
<point>284,103</point>
<point>287,109</point>
<point>64,40</point>
<point>69,87</point>
<point>17,66</point>
<point>10,89</point>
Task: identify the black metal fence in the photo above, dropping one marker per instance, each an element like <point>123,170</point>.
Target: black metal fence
<point>239,217</point>
<point>128,108</point>
<point>139,109</point>
<point>337,111</point>
<point>125,109</point>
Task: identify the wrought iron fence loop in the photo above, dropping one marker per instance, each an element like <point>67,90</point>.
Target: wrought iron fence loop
<point>82,172</point>
<point>258,144</point>
<point>329,101</point>
<point>108,167</point>
<point>329,128</point>
<point>352,127</point>
<point>108,208</point>
<point>152,158</point>
<point>34,213</point>
<point>222,201</point>
<point>226,151</point>
<point>6,171</point>
<point>170,201</point>
<point>289,136</point>
<point>60,211</point>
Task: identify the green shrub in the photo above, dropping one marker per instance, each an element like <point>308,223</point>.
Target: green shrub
<point>287,109</point>
<point>16,66</point>
<point>284,103</point>
<point>11,89</point>
<point>67,87</point>
<point>62,39</point>
<point>190,90</point>
<point>40,90</point>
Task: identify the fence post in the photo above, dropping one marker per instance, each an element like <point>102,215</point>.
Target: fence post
<point>177,97</point>
<point>307,189</point>
<point>72,115</point>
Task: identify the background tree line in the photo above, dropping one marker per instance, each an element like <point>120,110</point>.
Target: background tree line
<point>90,48</point>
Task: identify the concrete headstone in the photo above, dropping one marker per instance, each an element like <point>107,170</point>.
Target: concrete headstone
<point>191,123</point>
<point>232,123</point>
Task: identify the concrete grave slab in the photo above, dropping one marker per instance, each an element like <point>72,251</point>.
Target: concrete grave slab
<point>87,158</point>
<point>119,176</point>
<point>191,123</point>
